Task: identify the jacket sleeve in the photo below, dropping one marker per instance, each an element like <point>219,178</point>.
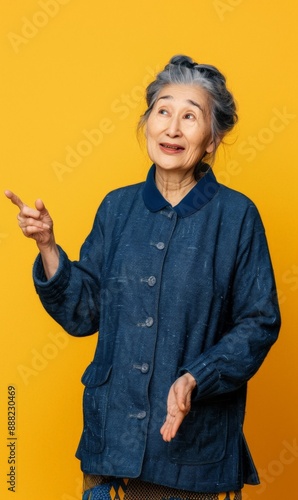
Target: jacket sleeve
<point>254,319</point>
<point>72,295</point>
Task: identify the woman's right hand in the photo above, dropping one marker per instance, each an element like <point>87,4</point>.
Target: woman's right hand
<point>36,223</point>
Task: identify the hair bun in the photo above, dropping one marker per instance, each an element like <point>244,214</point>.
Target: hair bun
<point>181,60</point>
<point>187,62</point>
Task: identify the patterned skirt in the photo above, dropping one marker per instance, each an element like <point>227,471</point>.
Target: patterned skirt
<point>111,488</point>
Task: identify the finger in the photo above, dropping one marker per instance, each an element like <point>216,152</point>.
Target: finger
<point>176,424</point>
<point>167,423</point>
<point>14,199</point>
<point>31,231</point>
<point>32,222</point>
<point>166,431</point>
<point>43,211</point>
<point>29,214</point>
<point>39,204</point>
<point>170,418</point>
<point>26,211</point>
<point>171,426</point>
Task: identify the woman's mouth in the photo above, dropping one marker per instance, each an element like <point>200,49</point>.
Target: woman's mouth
<point>169,148</point>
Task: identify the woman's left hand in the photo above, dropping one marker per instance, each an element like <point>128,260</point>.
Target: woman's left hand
<point>179,401</point>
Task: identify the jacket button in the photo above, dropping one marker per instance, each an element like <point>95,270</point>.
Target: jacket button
<point>160,245</point>
<point>149,321</point>
<point>144,368</point>
<point>141,415</point>
<point>151,281</point>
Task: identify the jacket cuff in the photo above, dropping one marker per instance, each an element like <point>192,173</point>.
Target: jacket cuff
<point>51,290</point>
<point>207,378</point>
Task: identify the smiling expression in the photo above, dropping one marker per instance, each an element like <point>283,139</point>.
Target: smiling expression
<point>178,129</point>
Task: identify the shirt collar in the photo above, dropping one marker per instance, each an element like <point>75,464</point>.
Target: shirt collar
<point>197,197</point>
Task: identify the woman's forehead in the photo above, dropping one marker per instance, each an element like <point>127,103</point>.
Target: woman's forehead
<point>183,91</point>
<point>182,94</point>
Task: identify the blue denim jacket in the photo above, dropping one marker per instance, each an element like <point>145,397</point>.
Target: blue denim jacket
<point>171,290</point>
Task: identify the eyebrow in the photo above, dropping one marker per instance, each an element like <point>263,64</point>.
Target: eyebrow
<point>189,101</point>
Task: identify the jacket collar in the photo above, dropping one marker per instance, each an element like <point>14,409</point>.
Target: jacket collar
<point>199,195</point>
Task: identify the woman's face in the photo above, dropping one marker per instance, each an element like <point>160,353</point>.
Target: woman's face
<point>178,129</point>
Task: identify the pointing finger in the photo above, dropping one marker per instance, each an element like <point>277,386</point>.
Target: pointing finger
<point>14,199</point>
<point>24,209</point>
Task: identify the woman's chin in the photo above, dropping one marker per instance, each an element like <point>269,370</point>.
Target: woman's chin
<point>173,167</point>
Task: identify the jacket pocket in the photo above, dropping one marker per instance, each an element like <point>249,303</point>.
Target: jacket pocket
<point>202,436</point>
<point>95,380</point>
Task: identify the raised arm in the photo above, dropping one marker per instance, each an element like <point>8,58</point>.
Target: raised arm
<point>37,224</point>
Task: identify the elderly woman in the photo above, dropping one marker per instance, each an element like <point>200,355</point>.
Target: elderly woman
<point>177,277</point>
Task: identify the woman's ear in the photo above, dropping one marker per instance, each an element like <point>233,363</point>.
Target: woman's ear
<point>213,145</point>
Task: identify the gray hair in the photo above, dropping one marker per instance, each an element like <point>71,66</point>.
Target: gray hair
<point>182,70</point>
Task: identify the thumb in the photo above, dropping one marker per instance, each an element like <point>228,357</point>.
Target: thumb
<point>43,212</point>
<point>39,204</point>
<point>181,399</point>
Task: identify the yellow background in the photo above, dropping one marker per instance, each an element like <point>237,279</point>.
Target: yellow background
<point>72,67</point>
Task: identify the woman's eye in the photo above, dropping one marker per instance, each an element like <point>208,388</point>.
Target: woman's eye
<point>162,111</point>
<point>189,116</point>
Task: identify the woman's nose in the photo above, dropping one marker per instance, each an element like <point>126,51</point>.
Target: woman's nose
<point>174,129</point>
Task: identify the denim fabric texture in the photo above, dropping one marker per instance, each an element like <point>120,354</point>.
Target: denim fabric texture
<point>171,290</point>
